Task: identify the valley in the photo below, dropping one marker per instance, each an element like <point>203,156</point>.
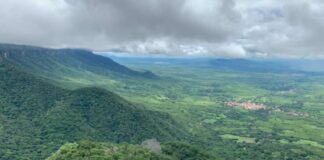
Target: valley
<point>199,103</point>
<point>226,112</point>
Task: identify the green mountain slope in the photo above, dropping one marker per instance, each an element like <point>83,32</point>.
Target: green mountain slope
<point>64,61</point>
<point>106,151</point>
<point>37,117</point>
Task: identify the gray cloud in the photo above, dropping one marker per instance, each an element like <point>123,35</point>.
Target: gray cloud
<point>229,28</point>
<point>131,20</point>
<point>285,29</point>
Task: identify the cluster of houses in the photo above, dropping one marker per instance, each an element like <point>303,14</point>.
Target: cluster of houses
<point>246,105</point>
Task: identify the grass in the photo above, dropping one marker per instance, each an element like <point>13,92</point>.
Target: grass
<point>239,139</point>
<point>310,143</point>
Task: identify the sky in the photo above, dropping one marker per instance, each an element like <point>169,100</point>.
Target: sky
<point>221,28</point>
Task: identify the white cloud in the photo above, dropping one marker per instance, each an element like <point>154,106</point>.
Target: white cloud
<point>227,28</point>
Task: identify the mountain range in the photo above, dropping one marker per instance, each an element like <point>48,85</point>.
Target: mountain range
<point>45,61</point>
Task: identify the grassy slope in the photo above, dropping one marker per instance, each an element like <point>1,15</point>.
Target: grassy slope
<point>37,117</point>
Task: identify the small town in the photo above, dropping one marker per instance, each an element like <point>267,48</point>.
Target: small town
<point>246,105</point>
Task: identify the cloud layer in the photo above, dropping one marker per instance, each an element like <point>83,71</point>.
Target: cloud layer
<point>225,28</point>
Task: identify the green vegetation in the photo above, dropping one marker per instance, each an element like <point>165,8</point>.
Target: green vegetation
<point>185,102</point>
<point>195,94</point>
<point>109,151</point>
<point>37,117</point>
<point>65,62</point>
<point>238,138</point>
<point>185,151</point>
<point>104,151</point>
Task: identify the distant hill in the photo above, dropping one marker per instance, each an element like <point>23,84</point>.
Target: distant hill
<point>233,64</point>
<point>245,65</point>
<point>48,62</point>
<point>269,66</point>
<point>37,117</point>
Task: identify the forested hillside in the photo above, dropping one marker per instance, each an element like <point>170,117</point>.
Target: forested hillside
<point>37,117</point>
<point>45,62</point>
<point>103,151</point>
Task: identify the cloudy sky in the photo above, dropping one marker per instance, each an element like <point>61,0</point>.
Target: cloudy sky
<point>222,28</point>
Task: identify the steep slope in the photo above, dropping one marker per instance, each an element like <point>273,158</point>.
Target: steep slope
<point>24,99</point>
<point>37,117</point>
<point>48,62</point>
<point>97,113</point>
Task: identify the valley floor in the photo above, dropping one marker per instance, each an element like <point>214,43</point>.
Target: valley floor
<point>286,120</point>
